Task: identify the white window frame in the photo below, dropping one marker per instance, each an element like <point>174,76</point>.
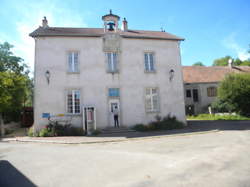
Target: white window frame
<point>74,66</point>
<point>73,93</point>
<point>148,63</point>
<point>151,97</point>
<point>114,67</point>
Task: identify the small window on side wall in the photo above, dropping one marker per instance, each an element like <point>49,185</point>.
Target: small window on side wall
<point>211,91</point>
<point>73,62</point>
<point>188,93</point>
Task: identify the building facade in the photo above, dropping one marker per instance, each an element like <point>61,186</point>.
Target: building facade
<point>139,72</point>
<point>201,84</point>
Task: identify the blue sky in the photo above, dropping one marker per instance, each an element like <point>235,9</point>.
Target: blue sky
<point>212,29</point>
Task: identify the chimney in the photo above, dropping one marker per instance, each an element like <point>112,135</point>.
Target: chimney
<point>45,22</point>
<point>124,25</point>
<point>230,63</point>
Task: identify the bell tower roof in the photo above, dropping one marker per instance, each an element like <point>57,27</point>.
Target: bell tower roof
<point>110,15</point>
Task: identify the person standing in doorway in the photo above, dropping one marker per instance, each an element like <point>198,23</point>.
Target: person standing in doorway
<point>116,116</point>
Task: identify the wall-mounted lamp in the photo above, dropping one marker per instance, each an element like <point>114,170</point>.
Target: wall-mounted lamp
<point>47,75</point>
<point>171,74</point>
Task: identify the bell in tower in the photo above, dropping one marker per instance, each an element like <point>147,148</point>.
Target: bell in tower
<point>110,22</point>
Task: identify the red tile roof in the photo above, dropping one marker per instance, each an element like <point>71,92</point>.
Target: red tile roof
<point>202,74</point>
<point>98,32</point>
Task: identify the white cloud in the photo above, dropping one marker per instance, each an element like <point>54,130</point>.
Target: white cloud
<point>31,18</point>
<point>230,43</point>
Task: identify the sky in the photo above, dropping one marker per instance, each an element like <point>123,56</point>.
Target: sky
<point>212,28</point>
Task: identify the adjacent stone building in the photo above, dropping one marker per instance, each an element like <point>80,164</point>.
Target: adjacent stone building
<point>137,71</point>
<point>201,85</point>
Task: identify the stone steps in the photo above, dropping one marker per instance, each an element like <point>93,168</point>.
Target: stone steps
<point>111,130</point>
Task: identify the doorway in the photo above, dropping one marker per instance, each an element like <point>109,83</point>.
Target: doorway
<point>113,103</point>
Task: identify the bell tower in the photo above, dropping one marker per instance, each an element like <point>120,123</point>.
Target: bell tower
<point>111,22</point>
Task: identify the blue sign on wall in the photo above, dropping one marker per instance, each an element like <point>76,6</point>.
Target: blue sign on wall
<point>45,115</point>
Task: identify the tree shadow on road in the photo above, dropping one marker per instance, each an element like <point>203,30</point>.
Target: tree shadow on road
<point>11,177</point>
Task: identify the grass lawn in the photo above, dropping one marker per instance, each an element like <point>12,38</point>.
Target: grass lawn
<point>217,117</point>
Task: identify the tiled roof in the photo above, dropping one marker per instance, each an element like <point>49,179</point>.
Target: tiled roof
<point>98,32</point>
<point>202,74</point>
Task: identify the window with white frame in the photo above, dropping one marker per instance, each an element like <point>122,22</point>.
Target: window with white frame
<point>73,101</point>
<point>149,62</point>
<point>73,62</point>
<point>112,62</point>
<point>152,100</point>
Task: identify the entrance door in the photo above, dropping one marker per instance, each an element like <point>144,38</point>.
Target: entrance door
<point>113,103</point>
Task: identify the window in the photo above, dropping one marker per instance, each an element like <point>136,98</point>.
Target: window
<point>114,92</point>
<point>73,102</point>
<point>112,62</point>
<point>188,93</point>
<point>152,100</point>
<point>73,62</point>
<point>149,62</point>
<point>212,92</point>
<point>195,95</point>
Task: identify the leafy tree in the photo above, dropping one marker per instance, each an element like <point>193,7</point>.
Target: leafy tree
<point>198,64</point>
<point>234,91</point>
<point>221,61</point>
<point>15,84</point>
<point>9,62</point>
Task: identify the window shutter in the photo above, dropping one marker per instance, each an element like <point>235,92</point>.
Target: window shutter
<point>109,62</point>
<point>70,62</point>
<point>151,59</point>
<point>76,62</point>
<point>114,62</point>
<point>146,61</point>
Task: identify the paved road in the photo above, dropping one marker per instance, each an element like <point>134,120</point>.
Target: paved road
<point>212,159</point>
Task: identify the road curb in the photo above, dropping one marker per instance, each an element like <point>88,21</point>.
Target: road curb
<point>110,141</point>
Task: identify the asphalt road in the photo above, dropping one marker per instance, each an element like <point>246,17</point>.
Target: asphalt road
<point>211,159</point>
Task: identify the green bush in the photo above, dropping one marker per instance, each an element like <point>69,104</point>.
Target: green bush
<point>61,130</point>
<point>45,133</point>
<point>234,91</point>
<point>30,132</point>
<point>166,123</point>
<point>96,132</point>
<point>140,127</point>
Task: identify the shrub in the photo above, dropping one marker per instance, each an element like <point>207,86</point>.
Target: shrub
<point>140,127</point>
<point>234,91</point>
<point>61,130</point>
<point>30,131</point>
<point>96,132</point>
<point>45,133</point>
<point>166,123</point>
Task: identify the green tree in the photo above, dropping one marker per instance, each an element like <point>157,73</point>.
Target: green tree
<point>198,64</point>
<point>234,91</point>
<point>15,84</point>
<point>10,62</point>
<point>221,61</point>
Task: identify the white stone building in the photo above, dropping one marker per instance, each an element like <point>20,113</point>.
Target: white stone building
<point>138,71</point>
